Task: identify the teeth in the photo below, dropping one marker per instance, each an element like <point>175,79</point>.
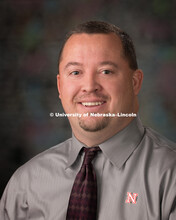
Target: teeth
<point>91,103</point>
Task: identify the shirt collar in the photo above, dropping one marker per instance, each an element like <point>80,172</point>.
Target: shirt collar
<point>76,147</point>
<point>118,148</point>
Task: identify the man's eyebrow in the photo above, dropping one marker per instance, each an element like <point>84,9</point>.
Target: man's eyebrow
<point>101,64</point>
<point>109,63</point>
<point>72,64</point>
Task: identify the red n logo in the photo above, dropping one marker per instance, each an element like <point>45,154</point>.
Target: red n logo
<point>131,197</point>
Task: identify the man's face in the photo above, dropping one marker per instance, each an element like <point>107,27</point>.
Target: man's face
<point>94,77</point>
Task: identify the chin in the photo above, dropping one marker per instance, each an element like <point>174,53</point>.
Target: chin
<point>94,124</point>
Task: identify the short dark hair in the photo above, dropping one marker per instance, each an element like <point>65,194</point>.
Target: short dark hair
<point>100,27</point>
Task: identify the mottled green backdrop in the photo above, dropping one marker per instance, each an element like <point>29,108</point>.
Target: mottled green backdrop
<point>31,33</point>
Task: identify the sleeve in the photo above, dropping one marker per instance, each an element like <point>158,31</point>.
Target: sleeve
<point>173,211</point>
<point>13,204</point>
<point>169,194</point>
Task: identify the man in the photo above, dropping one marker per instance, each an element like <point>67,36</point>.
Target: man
<point>134,167</point>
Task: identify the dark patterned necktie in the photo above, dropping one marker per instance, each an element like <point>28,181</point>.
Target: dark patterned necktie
<point>83,199</point>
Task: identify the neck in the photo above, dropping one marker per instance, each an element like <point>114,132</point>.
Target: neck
<point>91,139</point>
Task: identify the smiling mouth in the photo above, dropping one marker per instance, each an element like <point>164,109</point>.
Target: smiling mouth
<point>89,104</point>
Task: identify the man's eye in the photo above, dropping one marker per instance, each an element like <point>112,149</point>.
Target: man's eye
<point>106,72</point>
<point>75,73</point>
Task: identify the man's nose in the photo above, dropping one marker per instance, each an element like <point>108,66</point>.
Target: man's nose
<point>91,83</point>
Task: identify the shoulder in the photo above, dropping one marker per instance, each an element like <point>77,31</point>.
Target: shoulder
<point>160,142</point>
<point>161,151</point>
<point>59,150</point>
<point>159,169</point>
<point>156,159</point>
<point>45,168</point>
<point>44,162</point>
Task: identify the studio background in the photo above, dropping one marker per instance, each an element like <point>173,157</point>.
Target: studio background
<point>31,34</point>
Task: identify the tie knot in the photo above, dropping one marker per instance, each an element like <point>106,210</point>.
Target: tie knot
<point>90,154</point>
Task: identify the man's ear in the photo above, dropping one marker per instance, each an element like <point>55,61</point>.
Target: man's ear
<point>137,81</point>
<point>58,85</point>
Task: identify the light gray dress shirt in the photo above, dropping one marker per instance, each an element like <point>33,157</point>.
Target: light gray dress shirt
<point>136,175</point>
